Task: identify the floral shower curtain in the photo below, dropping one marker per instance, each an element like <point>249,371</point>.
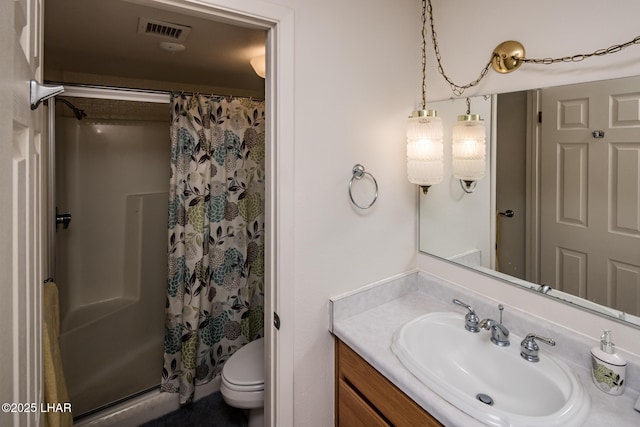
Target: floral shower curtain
<point>215,287</point>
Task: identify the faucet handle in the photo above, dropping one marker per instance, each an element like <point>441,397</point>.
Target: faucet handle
<point>471,319</point>
<point>529,347</point>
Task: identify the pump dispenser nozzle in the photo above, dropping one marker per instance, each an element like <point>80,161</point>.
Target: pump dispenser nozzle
<point>605,342</point>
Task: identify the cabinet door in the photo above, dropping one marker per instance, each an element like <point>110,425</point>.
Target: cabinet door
<point>386,400</point>
<point>355,412</point>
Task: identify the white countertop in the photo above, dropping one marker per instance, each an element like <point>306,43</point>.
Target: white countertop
<point>367,319</point>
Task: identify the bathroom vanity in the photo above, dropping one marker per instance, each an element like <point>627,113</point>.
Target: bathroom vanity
<point>374,386</point>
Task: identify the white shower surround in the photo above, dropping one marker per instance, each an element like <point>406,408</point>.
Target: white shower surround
<point>112,258</point>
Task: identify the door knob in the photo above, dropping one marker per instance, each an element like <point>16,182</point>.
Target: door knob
<point>63,219</point>
<point>508,213</point>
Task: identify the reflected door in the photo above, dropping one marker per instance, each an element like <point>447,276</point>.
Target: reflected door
<point>590,192</point>
<point>511,183</point>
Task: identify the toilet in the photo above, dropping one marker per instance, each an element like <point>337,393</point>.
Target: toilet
<point>242,383</point>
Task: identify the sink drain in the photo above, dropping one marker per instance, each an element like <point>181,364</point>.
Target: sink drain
<point>484,398</point>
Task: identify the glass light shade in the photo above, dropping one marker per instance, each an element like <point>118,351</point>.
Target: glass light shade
<point>259,65</point>
<point>469,148</point>
<point>424,148</point>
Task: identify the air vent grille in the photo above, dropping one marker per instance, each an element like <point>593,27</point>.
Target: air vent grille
<point>165,30</point>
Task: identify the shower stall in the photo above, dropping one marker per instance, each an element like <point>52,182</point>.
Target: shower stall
<point>111,195</point>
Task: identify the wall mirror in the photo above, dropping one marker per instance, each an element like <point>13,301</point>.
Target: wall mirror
<point>558,211</point>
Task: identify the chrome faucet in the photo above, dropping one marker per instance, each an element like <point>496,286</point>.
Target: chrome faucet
<point>499,332</point>
<point>471,320</point>
<point>529,347</point>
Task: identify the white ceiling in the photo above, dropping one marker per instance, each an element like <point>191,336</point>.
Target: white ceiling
<point>100,37</point>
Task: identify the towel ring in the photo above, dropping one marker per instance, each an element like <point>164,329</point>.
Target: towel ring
<point>359,173</point>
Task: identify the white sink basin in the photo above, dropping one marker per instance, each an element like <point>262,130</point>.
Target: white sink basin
<point>460,366</point>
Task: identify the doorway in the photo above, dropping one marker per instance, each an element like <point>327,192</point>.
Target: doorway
<point>278,23</point>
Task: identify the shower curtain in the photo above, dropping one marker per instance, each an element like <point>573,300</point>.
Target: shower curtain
<point>215,286</point>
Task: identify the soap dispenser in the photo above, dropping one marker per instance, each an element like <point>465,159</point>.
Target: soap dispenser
<point>609,369</point>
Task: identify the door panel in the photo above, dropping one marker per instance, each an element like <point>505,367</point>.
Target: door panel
<point>572,186</point>
<point>625,192</point>
<point>21,183</point>
<point>590,187</point>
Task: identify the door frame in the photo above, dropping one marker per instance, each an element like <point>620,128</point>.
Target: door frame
<point>278,21</point>
<point>533,196</point>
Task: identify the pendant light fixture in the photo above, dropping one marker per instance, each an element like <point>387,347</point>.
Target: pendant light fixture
<point>424,133</point>
<point>469,149</point>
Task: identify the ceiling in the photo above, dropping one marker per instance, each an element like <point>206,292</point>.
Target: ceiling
<point>101,37</point>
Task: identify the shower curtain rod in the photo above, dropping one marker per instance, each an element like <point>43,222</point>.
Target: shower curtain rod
<point>123,93</point>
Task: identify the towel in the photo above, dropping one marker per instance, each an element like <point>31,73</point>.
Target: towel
<point>55,387</point>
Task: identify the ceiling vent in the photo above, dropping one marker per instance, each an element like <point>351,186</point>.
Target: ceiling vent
<point>165,30</point>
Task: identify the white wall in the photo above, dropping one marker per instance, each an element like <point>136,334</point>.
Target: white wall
<point>357,80</point>
<point>467,35</point>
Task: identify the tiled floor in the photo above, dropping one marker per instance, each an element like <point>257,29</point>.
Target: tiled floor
<point>210,411</point>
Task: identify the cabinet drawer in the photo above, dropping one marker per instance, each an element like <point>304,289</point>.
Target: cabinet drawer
<point>355,412</point>
<point>379,392</point>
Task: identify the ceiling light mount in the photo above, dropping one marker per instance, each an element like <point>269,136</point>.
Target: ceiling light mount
<point>172,47</point>
<point>508,56</point>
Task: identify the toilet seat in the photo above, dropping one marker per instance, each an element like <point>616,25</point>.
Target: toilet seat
<point>244,371</point>
<point>242,388</point>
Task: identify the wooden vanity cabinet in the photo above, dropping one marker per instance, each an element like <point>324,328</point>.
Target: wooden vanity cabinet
<point>365,398</point>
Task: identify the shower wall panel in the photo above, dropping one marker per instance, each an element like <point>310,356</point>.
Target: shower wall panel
<point>99,165</point>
